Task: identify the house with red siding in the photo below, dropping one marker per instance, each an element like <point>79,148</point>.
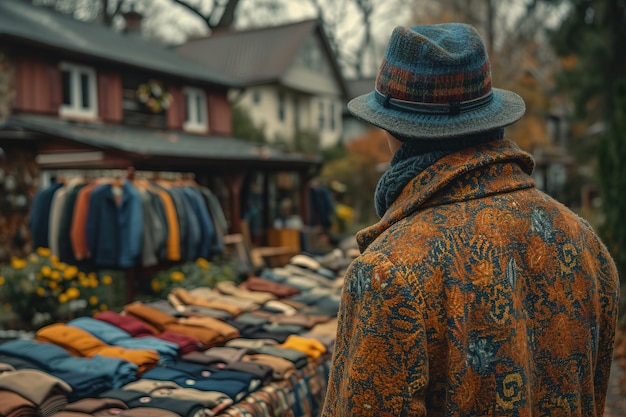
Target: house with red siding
<point>76,97</point>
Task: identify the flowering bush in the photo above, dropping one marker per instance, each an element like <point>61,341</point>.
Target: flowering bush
<point>41,287</point>
<point>189,275</point>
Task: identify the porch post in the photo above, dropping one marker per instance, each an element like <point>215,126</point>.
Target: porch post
<point>234,182</point>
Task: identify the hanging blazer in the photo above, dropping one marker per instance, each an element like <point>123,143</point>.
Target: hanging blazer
<point>205,223</point>
<point>39,222</point>
<point>115,232</point>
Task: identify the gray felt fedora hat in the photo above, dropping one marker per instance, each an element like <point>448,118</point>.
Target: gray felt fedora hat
<point>435,82</point>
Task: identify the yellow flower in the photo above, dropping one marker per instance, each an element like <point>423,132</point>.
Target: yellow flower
<point>55,260</point>
<point>33,258</point>
<point>55,275</point>
<point>1,280</point>
<point>72,293</point>
<point>44,251</point>
<point>202,262</point>
<point>70,272</point>
<point>93,282</point>
<point>107,280</point>
<point>40,291</point>
<point>63,298</point>
<point>84,282</point>
<point>53,285</point>
<point>156,285</point>
<point>104,307</point>
<point>61,266</point>
<point>46,271</point>
<point>177,276</point>
<point>92,275</point>
<point>93,300</point>
<point>18,263</point>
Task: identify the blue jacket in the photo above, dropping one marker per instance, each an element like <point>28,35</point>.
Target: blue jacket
<point>207,229</point>
<point>115,233</point>
<point>40,215</point>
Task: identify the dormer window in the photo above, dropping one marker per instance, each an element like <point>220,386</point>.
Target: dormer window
<point>196,116</point>
<point>79,91</point>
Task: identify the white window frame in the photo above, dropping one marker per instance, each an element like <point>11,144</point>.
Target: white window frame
<point>281,107</point>
<point>321,115</point>
<point>75,109</point>
<point>193,97</point>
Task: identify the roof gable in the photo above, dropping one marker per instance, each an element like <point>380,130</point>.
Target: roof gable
<point>258,56</point>
<point>39,26</point>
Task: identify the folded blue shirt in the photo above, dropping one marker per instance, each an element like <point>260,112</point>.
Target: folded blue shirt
<point>235,389</point>
<point>56,360</point>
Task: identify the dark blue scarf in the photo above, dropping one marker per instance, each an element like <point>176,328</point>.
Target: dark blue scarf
<point>414,156</point>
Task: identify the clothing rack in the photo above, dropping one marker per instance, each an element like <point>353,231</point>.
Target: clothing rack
<point>202,234</point>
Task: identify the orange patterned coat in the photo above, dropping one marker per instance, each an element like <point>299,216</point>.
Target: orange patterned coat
<point>475,295</point>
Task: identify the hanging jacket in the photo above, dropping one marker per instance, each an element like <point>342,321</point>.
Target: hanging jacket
<point>39,222</point>
<point>475,295</point>
<point>205,223</point>
<point>115,232</point>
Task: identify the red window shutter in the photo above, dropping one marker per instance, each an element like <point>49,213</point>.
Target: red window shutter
<point>21,86</point>
<point>110,97</point>
<point>219,114</point>
<point>54,77</point>
<point>36,86</point>
<point>176,111</point>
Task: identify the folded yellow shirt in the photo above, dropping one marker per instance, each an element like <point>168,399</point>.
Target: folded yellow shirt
<point>313,348</point>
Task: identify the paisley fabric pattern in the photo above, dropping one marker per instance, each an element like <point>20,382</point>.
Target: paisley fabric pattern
<point>475,295</point>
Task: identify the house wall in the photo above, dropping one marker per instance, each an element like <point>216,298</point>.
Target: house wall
<point>261,102</point>
<point>302,111</point>
<point>38,90</point>
<point>7,83</point>
<point>331,132</point>
<point>18,173</point>
<point>312,95</point>
<point>311,73</point>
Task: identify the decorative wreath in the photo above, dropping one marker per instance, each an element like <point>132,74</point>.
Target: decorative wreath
<point>153,96</point>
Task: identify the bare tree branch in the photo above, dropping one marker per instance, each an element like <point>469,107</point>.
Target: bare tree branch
<point>196,11</point>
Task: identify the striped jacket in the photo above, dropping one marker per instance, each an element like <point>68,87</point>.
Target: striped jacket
<point>475,295</point>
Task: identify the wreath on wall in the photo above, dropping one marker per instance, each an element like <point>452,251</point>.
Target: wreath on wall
<point>152,95</point>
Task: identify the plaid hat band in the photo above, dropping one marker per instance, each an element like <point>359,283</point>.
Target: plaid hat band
<point>435,82</point>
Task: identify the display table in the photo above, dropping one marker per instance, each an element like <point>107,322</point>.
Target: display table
<point>196,354</point>
<point>301,394</point>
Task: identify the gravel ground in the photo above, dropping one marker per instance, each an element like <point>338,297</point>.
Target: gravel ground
<point>616,395</point>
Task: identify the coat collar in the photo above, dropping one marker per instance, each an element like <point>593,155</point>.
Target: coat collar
<point>490,168</point>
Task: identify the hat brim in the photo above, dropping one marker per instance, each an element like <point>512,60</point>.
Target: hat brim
<point>505,108</point>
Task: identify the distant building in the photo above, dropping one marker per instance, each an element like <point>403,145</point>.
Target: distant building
<point>290,82</point>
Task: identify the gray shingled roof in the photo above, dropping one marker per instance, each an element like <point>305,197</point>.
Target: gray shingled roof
<point>147,143</point>
<point>253,56</point>
<point>39,26</point>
